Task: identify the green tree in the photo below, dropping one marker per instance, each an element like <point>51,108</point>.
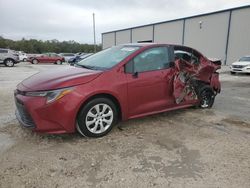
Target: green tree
<point>39,46</point>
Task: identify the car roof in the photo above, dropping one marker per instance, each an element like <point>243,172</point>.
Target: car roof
<point>154,44</point>
<point>144,44</point>
<point>139,44</point>
<point>175,46</point>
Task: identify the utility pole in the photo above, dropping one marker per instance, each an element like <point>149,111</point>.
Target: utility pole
<point>94,32</point>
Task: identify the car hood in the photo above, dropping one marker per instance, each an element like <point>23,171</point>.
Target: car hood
<point>58,78</point>
<point>241,63</point>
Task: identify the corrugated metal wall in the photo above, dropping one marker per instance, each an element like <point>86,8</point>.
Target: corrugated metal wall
<point>123,37</point>
<point>208,34</point>
<point>169,32</point>
<point>223,35</point>
<point>142,34</point>
<point>108,40</point>
<point>239,35</point>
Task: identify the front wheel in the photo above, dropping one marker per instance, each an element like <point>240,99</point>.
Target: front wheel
<point>97,118</point>
<point>34,61</point>
<point>58,62</point>
<point>9,63</point>
<point>232,72</point>
<point>206,97</point>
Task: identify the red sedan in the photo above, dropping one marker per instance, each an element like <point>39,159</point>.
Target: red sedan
<point>119,83</point>
<point>47,58</point>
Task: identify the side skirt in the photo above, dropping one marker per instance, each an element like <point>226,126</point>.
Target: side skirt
<point>160,111</point>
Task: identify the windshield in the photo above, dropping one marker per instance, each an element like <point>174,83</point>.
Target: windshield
<point>108,58</point>
<point>245,59</point>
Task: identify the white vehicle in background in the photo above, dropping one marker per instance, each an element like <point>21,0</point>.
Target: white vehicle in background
<point>241,66</point>
<point>22,56</point>
<point>67,56</point>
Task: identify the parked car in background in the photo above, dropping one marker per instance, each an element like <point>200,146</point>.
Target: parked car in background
<point>241,66</point>
<point>22,56</point>
<point>80,53</point>
<point>32,55</point>
<point>8,57</point>
<point>78,58</point>
<point>46,58</point>
<point>119,83</point>
<point>67,56</point>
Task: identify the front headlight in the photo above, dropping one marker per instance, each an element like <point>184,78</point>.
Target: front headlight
<point>52,95</point>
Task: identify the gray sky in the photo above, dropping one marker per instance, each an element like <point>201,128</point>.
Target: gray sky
<point>72,19</point>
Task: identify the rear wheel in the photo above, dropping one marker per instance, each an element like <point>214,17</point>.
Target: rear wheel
<point>97,117</point>
<point>9,62</point>
<point>206,97</point>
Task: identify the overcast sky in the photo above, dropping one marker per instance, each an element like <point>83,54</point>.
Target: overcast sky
<point>72,19</point>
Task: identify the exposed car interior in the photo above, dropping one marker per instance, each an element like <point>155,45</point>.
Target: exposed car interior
<point>186,56</point>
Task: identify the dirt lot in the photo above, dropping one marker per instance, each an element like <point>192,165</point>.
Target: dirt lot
<point>184,148</point>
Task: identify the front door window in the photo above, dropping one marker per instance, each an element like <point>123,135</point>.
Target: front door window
<point>152,59</point>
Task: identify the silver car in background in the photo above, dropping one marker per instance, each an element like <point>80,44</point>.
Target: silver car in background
<point>241,66</point>
<point>8,57</point>
<point>67,56</point>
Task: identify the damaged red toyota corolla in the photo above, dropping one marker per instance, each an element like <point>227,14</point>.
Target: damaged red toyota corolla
<point>119,83</point>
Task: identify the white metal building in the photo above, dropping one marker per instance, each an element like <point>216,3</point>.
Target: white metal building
<point>223,34</point>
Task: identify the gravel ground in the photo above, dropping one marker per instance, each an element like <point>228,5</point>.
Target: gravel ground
<point>184,148</point>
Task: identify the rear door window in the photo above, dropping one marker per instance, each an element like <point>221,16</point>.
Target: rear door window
<point>3,51</point>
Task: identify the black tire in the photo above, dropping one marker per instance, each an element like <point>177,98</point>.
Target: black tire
<point>82,117</point>
<point>34,61</point>
<point>232,72</point>
<point>206,97</point>
<point>24,60</point>
<point>9,62</point>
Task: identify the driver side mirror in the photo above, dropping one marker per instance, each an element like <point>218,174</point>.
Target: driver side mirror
<point>129,67</point>
<point>135,75</point>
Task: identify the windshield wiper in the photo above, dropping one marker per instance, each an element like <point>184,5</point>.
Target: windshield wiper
<point>84,66</point>
<point>91,67</point>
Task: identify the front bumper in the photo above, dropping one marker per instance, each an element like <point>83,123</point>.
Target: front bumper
<point>23,121</point>
<point>241,69</point>
<point>55,118</point>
